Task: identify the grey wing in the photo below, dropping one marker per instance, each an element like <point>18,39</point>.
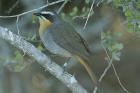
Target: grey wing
<point>66,36</point>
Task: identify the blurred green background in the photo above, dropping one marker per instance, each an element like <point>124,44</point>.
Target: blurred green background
<point>114,23</point>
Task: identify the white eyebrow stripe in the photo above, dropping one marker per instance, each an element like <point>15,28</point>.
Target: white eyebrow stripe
<point>47,12</point>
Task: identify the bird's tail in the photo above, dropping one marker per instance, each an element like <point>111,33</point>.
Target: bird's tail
<point>88,69</point>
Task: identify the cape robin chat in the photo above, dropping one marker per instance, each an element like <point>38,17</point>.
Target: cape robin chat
<point>59,37</point>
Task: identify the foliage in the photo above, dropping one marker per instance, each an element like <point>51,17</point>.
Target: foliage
<point>110,42</point>
<point>131,10</point>
<point>82,8</point>
<point>16,63</point>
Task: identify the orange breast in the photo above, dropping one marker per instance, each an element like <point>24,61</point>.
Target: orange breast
<point>44,25</point>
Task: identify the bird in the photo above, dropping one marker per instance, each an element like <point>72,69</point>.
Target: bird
<point>60,38</point>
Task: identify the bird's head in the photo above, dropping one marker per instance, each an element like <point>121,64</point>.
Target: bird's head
<point>49,16</point>
<point>46,19</point>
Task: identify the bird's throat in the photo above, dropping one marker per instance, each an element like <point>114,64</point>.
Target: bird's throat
<point>44,25</point>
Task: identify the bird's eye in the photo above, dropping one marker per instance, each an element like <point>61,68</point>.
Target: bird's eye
<point>48,17</point>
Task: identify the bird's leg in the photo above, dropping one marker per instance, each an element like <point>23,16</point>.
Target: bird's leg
<point>52,56</point>
<point>66,64</point>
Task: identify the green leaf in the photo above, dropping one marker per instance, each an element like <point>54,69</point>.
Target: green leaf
<point>116,56</point>
<point>138,5</point>
<point>19,56</point>
<point>119,46</point>
<point>128,12</point>
<point>74,11</point>
<point>87,1</point>
<point>34,18</point>
<point>40,48</point>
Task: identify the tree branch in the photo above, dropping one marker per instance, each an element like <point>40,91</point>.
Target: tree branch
<point>17,41</point>
<point>88,15</point>
<point>24,13</point>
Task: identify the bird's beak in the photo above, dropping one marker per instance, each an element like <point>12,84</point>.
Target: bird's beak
<point>37,14</point>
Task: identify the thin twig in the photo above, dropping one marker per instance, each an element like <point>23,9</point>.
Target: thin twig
<point>62,6</point>
<point>95,89</point>
<point>106,69</point>
<point>88,15</point>
<point>120,83</point>
<point>99,2</point>
<point>42,59</point>
<point>110,63</point>
<point>47,1</point>
<point>17,25</point>
<point>33,9</point>
<point>13,7</point>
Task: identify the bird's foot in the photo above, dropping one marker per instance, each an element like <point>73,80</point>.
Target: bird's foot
<point>65,64</point>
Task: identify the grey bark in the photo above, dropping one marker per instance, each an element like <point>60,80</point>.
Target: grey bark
<point>42,59</point>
